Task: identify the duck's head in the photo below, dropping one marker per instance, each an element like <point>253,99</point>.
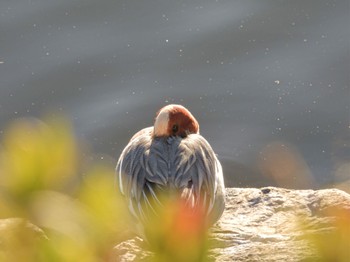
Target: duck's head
<point>175,120</point>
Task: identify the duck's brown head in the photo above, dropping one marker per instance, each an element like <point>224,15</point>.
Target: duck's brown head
<point>175,120</point>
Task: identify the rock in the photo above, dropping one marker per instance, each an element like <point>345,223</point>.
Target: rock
<point>268,224</point>
<point>19,239</point>
<point>10,226</point>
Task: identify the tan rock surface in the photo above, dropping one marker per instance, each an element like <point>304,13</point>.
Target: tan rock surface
<point>263,225</point>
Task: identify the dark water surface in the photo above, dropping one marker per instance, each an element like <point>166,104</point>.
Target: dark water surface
<point>267,80</point>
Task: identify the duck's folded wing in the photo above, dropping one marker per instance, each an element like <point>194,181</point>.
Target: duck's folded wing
<point>139,174</point>
<point>150,166</point>
<point>196,160</point>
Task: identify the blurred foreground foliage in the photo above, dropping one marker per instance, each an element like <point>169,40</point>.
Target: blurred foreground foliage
<point>55,208</point>
<point>332,242</point>
<point>178,232</point>
<point>41,182</point>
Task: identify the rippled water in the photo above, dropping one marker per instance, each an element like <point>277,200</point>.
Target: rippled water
<point>258,75</point>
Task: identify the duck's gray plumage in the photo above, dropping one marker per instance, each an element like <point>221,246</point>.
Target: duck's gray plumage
<point>150,165</point>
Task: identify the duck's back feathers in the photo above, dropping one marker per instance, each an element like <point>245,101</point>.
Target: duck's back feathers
<point>152,167</point>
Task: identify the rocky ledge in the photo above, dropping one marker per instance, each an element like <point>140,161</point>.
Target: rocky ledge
<point>272,224</point>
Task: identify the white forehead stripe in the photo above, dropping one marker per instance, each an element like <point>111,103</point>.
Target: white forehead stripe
<point>161,123</point>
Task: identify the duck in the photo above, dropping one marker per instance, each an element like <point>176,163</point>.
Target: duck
<point>170,160</point>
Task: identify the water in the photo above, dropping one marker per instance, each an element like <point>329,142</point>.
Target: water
<point>256,74</point>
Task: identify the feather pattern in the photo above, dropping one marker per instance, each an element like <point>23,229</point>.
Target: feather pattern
<point>150,166</point>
